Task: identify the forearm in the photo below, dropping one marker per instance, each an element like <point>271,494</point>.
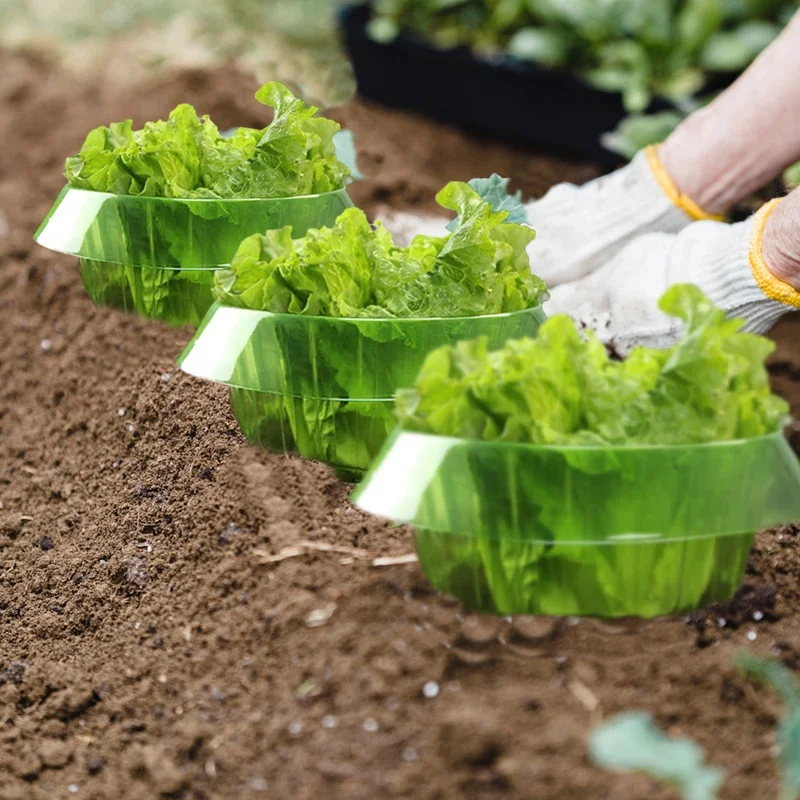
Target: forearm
<point>747,136</point>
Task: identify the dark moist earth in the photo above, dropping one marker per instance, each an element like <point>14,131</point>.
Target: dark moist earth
<point>148,649</point>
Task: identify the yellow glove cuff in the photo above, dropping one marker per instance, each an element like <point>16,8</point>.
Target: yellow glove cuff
<point>773,287</point>
<point>682,201</point>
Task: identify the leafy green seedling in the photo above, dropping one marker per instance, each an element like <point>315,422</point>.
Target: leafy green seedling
<point>787,688</point>
<point>494,190</point>
<point>631,742</point>
<point>638,131</point>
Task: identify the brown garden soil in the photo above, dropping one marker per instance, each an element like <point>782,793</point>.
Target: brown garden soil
<point>148,650</point>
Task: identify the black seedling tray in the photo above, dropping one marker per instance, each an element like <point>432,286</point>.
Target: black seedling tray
<point>504,98</point>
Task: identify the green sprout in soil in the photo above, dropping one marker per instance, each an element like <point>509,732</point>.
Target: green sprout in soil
<point>631,742</point>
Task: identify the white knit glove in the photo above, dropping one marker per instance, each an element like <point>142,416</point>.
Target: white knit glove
<point>620,300</point>
<point>580,228</point>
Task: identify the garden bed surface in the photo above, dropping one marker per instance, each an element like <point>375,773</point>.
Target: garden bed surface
<point>163,633</point>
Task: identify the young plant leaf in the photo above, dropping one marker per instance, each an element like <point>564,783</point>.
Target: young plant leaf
<point>631,742</point>
<point>786,686</point>
<point>638,131</point>
<point>494,190</point>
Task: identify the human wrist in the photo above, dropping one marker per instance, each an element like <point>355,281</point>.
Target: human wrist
<point>708,164</point>
<point>679,198</point>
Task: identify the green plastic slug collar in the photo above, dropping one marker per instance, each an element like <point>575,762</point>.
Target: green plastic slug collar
<point>168,233</point>
<point>603,531</point>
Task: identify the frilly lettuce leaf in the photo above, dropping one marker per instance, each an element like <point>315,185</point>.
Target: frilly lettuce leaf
<point>187,157</point>
<point>563,387</point>
<point>354,269</point>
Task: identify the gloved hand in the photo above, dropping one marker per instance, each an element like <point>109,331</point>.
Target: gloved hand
<point>620,300</point>
<point>718,156</point>
<point>578,229</point>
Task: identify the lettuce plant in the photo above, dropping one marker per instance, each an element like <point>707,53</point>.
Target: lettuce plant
<point>539,516</point>
<point>563,388</point>
<point>354,269</point>
<point>187,157</point>
<point>349,275</point>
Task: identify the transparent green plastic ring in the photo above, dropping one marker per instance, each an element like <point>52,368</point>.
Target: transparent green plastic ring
<point>157,256</point>
<point>638,530</point>
<point>324,386</point>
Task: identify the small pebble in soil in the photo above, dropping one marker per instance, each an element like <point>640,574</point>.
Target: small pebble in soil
<point>131,427</point>
<point>295,727</point>
<point>758,616</point>
<point>319,616</point>
<point>16,671</point>
<point>329,721</point>
<point>722,622</point>
<point>410,754</point>
<point>46,543</point>
<point>259,785</point>
<point>229,534</point>
<point>47,345</point>
<point>370,725</point>
<point>217,694</point>
<point>137,573</point>
<point>166,376</point>
<point>120,412</point>
<point>430,689</point>
<point>94,766</point>
<point>752,635</point>
<point>73,787</point>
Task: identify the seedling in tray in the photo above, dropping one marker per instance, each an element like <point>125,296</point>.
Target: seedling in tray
<point>153,214</point>
<point>546,478</point>
<point>314,336</point>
